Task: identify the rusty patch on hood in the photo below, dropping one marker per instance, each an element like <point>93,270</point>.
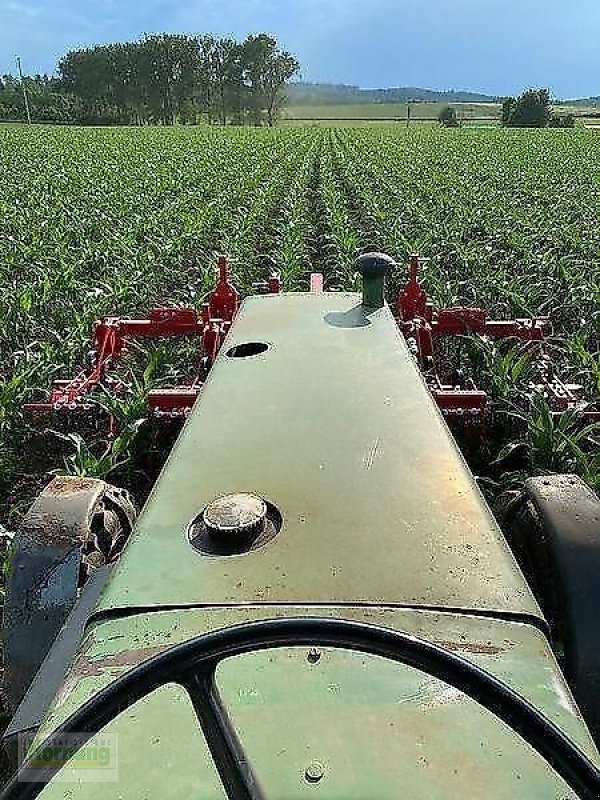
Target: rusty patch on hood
<point>476,648</point>
<point>94,667</point>
<point>117,663</point>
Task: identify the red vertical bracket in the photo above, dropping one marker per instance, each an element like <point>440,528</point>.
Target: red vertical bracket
<point>225,299</point>
<point>274,283</point>
<point>412,300</point>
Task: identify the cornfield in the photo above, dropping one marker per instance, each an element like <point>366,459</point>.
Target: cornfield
<point>112,221</point>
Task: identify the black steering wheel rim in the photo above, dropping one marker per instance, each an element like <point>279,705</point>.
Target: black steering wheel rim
<point>194,663</point>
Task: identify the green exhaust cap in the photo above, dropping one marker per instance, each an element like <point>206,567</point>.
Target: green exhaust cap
<point>374,267</point>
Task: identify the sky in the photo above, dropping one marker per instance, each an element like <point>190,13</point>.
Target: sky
<point>492,46</point>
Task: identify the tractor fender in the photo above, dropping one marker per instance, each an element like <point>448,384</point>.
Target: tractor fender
<point>75,526</point>
<point>555,525</point>
<point>28,717</point>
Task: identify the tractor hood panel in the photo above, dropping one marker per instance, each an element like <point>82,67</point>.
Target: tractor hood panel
<point>341,723</point>
<point>357,727</point>
<point>154,750</point>
<point>316,406</point>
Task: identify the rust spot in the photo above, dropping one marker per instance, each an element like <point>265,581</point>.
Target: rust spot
<point>115,664</point>
<point>476,648</point>
<point>59,516</point>
<point>94,667</point>
<point>60,487</point>
<point>49,528</point>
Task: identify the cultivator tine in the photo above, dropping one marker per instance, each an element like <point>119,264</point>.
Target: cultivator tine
<point>270,286</point>
<point>224,300</point>
<point>274,283</point>
<point>110,338</point>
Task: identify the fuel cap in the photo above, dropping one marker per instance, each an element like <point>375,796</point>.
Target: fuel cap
<point>235,517</point>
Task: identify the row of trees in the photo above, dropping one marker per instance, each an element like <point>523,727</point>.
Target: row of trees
<point>161,79</point>
<point>47,100</point>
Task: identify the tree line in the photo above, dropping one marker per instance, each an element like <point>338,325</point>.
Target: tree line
<point>532,109</point>
<point>161,79</point>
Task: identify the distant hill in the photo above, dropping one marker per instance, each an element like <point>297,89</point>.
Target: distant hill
<point>325,94</point>
<point>586,101</point>
<point>307,94</point>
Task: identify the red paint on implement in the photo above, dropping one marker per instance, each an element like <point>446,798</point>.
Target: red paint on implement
<point>211,325</point>
<point>421,323</point>
<point>417,319</point>
<point>316,283</point>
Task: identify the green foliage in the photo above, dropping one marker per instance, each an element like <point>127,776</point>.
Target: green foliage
<point>447,117</point>
<point>559,442</point>
<point>502,369</point>
<point>48,102</point>
<point>265,71</point>
<point>87,461</point>
<point>562,121</point>
<point>160,79</point>
<point>533,109</point>
<point>508,109</point>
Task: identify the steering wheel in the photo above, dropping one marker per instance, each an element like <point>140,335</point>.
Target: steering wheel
<point>193,663</point>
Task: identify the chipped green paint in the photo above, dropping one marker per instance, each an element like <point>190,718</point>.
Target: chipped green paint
<point>147,753</point>
<point>289,711</point>
<point>378,730</point>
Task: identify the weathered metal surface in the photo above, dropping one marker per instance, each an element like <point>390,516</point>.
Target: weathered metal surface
<point>316,406</point>
<point>235,515</point>
<point>234,525</point>
<point>334,426</point>
<point>377,729</point>
<point>361,727</point>
<point>40,694</point>
<point>43,577</point>
<point>161,753</point>
<point>73,527</point>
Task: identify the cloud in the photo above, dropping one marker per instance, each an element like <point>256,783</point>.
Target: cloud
<point>19,9</point>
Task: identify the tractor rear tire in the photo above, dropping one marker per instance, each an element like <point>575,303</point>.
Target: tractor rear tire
<point>553,527</point>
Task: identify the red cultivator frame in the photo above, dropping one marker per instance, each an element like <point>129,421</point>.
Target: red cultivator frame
<point>210,325</point>
<point>420,323</point>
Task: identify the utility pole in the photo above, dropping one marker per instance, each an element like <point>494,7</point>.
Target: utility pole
<point>24,88</point>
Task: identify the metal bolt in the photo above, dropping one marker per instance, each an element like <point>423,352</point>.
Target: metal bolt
<point>314,772</point>
<point>314,656</point>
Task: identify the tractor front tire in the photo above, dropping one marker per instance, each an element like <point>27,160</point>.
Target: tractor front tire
<point>75,526</point>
